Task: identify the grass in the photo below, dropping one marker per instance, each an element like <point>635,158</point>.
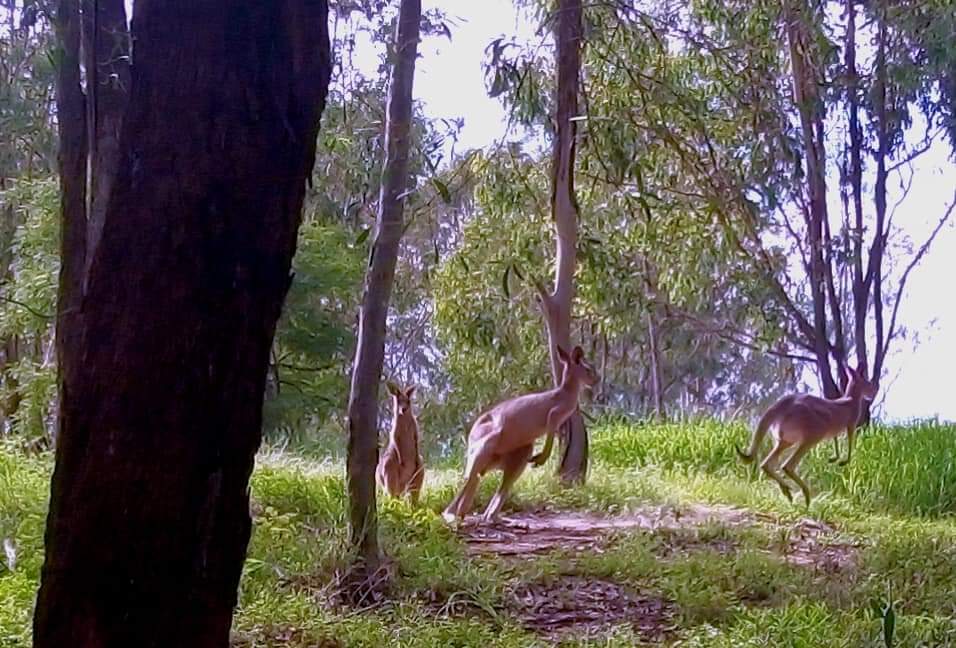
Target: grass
<point>729,586</point>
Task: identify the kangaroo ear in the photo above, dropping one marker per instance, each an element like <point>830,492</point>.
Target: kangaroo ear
<point>563,354</point>
<point>577,354</point>
<point>392,388</point>
<point>410,391</point>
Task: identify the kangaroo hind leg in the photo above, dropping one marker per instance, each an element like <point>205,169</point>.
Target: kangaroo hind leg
<point>769,466</point>
<point>479,459</point>
<point>512,465</point>
<point>790,468</point>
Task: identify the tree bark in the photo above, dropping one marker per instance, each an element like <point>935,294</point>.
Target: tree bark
<point>564,209</point>
<point>370,350</point>
<point>657,389</point>
<point>653,348</point>
<point>810,107</point>
<point>71,120</point>
<point>163,360</point>
<point>105,45</point>
<point>860,292</point>
<point>879,235</point>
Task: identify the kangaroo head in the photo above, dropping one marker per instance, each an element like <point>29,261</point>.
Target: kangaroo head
<point>577,368</point>
<point>858,384</point>
<point>401,398</point>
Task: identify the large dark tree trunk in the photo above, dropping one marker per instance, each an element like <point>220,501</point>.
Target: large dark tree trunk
<point>564,210</point>
<point>106,52</point>
<point>370,352</point>
<point>164,355</point>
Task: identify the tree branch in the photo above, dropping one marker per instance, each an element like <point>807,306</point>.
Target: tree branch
<point>26,307</point>
<point>727,332</point>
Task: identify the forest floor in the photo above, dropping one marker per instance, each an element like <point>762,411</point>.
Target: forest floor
<point>671,542</point>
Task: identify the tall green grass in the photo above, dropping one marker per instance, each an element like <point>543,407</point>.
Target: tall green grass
<point>909,470</point>
<point>24,484</point>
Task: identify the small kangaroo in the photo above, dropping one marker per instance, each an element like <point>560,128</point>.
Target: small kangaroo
<point>503,437</point>
<point>803,421</point>
<point>400,470</point>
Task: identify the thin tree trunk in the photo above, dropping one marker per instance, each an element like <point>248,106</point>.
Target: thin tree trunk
<point>807,99</point>
<point>9,346</point>
<point>860,292</point>
<point>160,421</point>
<point>656,387</point>
<point>879,198</point>
<point>604,367</point>
<point>370,351</point>
<point>874,276</point>
<point>564,208</point>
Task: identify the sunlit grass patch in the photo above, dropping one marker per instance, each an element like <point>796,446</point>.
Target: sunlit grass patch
<point>908,470</point>
<point>24,490</point>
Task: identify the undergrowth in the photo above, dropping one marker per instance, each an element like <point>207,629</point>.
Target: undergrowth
<point>729,586</point>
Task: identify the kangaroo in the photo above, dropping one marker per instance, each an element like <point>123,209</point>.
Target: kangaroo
<point>400,470</point>
<point>503,437</point>
<point>803,421</point>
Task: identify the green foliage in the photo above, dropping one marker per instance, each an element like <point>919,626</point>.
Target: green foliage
<point>27,305</point>
<point>32,208</point>
<point>309,381</point>
<point>27,79</point>
<point>493,337</point>
<point>24,484</point>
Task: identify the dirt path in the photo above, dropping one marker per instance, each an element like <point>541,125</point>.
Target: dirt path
<point>571,605</point>
<point>531,533</point>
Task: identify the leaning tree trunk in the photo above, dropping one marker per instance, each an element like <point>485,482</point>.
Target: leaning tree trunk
<point>564,209</point>
<point>164,345</point>
<point>370,351</point>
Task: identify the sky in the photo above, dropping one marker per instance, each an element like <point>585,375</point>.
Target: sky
<point>919,384</point>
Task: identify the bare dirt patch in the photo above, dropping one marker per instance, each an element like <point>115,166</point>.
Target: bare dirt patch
<point>280,635</point>
<point>352,587</point>
<point>814,544</point>
<point>674,543</point>
<point>808,543</point>
<point>530,533</point>
<point>582,608</point>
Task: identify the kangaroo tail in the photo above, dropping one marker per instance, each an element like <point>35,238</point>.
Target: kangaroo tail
<point>765,422</point>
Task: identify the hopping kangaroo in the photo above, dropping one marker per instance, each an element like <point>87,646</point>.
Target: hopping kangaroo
<point>803,421</point>
<point>503,437</point>
<point>400,470</point>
